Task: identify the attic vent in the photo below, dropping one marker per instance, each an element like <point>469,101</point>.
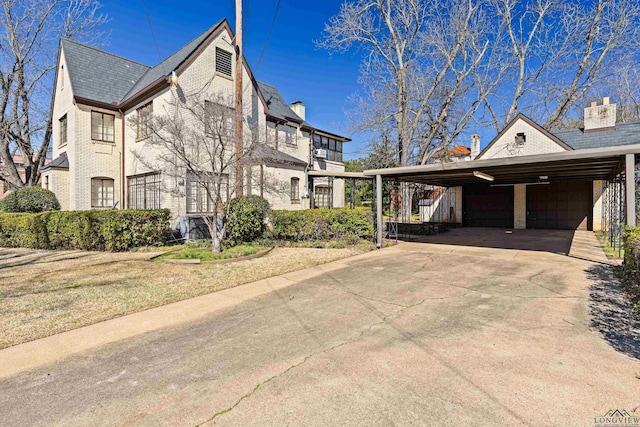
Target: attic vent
<point>520,139</point>
<point>223,62</point>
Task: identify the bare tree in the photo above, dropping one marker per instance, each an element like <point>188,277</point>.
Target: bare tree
<point>432,68</point>
<point>420,60</point>
<point>29,34</point>
<point>193,139</point>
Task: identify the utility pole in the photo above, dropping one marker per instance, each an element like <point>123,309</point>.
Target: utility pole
<point>239,110</point>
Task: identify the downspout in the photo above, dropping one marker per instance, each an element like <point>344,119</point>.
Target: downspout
<point>122,183</point>
<point>309,167</point>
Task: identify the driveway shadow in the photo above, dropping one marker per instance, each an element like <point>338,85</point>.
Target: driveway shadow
<point>611,311</point>
<point>554,241</point>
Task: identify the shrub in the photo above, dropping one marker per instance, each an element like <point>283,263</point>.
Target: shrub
<point>245,216</point>
<point>631,239</point>
<point>109,230</point>
<point>30,199</point>
<point>321,224</point>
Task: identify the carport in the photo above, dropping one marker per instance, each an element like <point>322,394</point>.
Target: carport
<point>536,191</point>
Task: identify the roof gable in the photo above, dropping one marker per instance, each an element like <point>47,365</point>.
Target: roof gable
<point>542,141</point>
<point>98,75</point>
<point>171,63</point>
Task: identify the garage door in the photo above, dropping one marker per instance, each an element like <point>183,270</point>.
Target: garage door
<point>565,205</point>
<point>486,206</point>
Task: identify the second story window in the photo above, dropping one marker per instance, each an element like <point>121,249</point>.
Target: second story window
<point>102,126</point>
<point>63,130</point>
<point>290,135</point>
<point>144,121</point>
<point>224,62</point>
<point>218,120</point>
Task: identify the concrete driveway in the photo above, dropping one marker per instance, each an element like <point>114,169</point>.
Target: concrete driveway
<point>417,334</point>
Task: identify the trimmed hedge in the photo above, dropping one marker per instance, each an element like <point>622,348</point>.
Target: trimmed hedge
<point>245,216</point>
<point>30,199</point>
<point>321,224</point>
<point>108,230</point>
<point>631,239</point>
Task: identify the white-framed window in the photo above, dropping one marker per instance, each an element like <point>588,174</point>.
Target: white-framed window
<point>63,130</point>
<point>198,188</point>
<point>295,189</point>
<point>102,126</point>
<point>144,191</point>
<point>224,62</point>
<point>101,192</point>
<point>143,129</point>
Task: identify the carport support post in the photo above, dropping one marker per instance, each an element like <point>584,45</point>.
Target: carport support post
<point>630,185</point>
<point>379,211</point>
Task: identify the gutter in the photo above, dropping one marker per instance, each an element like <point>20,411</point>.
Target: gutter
<point>122,183</point>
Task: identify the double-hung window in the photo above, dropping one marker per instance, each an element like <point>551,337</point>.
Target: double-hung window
<point>101,192</point>
<point>102,126</point>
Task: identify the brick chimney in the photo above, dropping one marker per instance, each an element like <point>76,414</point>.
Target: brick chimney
<point>600,117</point>
<point>298,108</point>
<point>475,146</point>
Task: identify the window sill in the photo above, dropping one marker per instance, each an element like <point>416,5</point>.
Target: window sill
<point>218,73</point>
<point>98,141</point>
<point>142,138</point>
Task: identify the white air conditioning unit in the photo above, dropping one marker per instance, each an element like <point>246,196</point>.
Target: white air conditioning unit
<point>320,153</point>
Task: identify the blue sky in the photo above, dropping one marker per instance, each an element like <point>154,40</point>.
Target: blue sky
<point>291,62</point>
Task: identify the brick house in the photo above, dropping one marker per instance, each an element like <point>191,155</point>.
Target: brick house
<point>98,95</point>
<point>6,187</point>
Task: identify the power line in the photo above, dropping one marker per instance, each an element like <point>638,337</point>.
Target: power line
<point>273,22</point>
<point>153,35</point>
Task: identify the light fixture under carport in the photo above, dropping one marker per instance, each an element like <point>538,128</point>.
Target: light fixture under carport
<point>484,176</point>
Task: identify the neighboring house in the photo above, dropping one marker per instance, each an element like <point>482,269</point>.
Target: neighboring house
<point>99,95</point>
<point>438,204</point>
<point>6,187</point>
<point>571,202</point>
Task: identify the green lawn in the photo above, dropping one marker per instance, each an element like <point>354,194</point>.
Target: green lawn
<point>205,254</point>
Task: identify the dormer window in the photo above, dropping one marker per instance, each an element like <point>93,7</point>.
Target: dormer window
<point>520,139</point>
<point>224,62</point>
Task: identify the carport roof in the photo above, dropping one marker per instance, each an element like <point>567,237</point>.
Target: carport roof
<point>596,163</point>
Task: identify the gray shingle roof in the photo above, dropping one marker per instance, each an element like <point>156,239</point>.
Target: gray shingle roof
<point>168,65</point>
<point>277,106</point>
<point>99,75</point>
<point>60,162</point>
<point>623,134</point>
<point>264,153</point>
